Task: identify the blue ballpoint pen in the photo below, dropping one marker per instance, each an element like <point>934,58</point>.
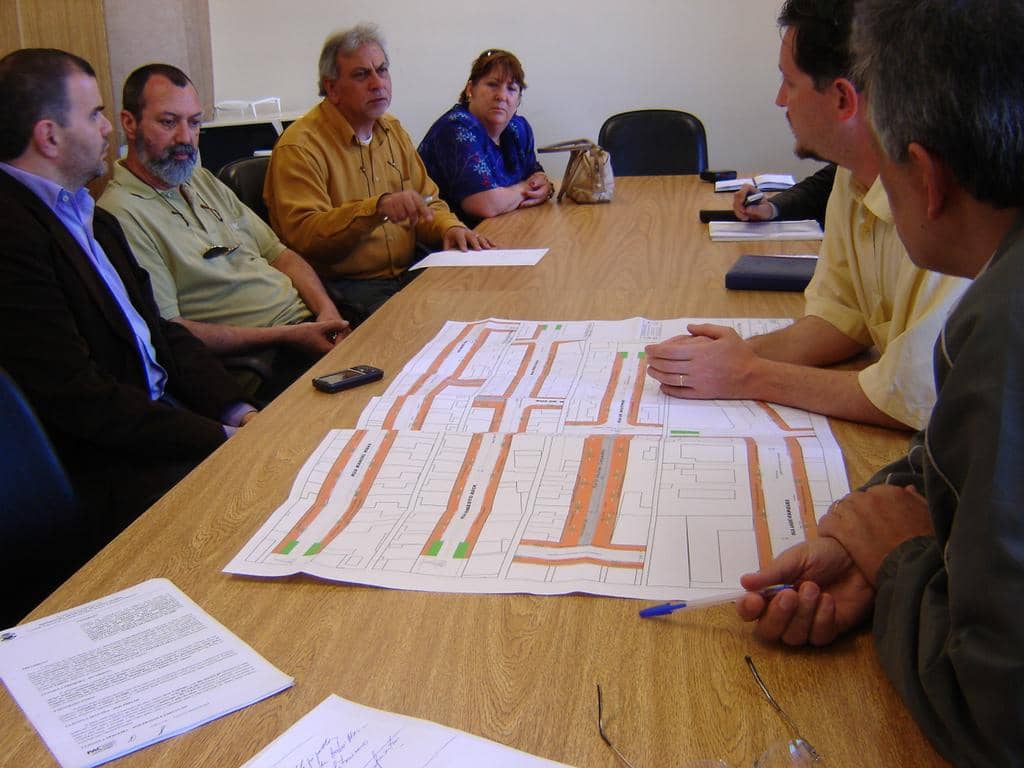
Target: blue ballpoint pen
<point>666,608</point>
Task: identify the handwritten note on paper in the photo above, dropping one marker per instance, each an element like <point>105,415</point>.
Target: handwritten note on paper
<point>125,671</point>
<point>342,734</point>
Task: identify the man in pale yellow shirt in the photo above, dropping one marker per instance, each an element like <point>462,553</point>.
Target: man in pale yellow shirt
<point>865,292</point>
<point>346,188</point>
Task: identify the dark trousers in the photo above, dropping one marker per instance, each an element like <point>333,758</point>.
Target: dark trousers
<point>358,299</point>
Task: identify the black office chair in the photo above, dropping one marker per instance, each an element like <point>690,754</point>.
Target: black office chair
<point>40,518</point>
<point>245,177</point>
<point>655,142</point>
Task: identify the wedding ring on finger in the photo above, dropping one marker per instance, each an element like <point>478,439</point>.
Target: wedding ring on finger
<point>682,378</point>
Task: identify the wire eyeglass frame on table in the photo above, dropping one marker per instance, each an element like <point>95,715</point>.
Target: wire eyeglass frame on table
<point>795,752</point>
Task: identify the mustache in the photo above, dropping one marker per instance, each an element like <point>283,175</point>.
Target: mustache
<point>174,149</point>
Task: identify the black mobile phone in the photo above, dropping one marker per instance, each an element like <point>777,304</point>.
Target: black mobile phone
<point>721,175</point>
<point>350,377</point>
<point>709,215</point>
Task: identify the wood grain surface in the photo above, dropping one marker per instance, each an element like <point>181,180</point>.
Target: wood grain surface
<point>518,669</point>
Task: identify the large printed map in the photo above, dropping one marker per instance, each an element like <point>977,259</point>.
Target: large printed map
<point>562,377</point>
<point>619,490</point>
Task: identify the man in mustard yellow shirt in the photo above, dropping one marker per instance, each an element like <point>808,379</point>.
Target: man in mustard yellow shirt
<point>865,292</point>
<point>346,188</point>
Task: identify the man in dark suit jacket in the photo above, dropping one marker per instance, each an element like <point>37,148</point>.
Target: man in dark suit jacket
<point>131,402</point>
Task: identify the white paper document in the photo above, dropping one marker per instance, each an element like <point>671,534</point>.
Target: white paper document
<point>131,669</point>
<point>341,734</point>
<point>489,258</point>
<point>726,231</point>
<point>766,182</point>
<point>537,456</point>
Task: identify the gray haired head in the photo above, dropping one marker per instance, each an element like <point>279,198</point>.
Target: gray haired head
<point>345,42</point>
<point>947,75</point>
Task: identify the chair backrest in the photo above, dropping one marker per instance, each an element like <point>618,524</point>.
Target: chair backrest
<point>39,516</point>
<point>245,177</point>
<point>655,142</point>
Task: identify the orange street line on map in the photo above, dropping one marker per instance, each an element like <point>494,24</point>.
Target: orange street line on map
<point>760,518</point>
<point>606,401</point>
<point>546,371</point>
<point>453,380</point>
<point>616,476</point>
<point>434,367</point>
<point>559,545</point>
<point>577,561</point>
<point>524,419</point>
<point>583,490</point>
<point>803,488</point>
<point>363,490</point>
<point>489,495</point>
<point>776,417</point>
<point>326,488</point>
<point>638,390</point>
<point>455,497</point>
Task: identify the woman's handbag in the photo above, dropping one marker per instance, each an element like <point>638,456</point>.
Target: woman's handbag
<point>588,176</point>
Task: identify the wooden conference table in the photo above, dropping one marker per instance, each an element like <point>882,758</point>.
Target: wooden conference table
<point>518,669</point>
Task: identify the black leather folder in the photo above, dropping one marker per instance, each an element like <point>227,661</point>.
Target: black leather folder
<point>770,273</point>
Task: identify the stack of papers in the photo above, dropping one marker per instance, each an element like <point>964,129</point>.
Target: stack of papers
<point>766,182</point>
<point>126,671</point>
<point>338,732</point>
<point>727,231</point>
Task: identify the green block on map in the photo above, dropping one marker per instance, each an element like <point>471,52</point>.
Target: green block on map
<point>641,354</point>
<point>543,326</point>
<point>435,548</point>
<point>287,549</point>
<point>623,354</point>
<point>558,327</point>
<point>462,550</point>
<point>684,432</point>
<point>313,549</point>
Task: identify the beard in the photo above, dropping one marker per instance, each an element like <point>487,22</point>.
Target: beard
<point>803,151</point>
<point>806,153</point>
<point>166,167</point>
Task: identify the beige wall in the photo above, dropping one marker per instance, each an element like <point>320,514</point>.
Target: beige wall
<point>584,60</point>
<point>71,25</point>
<point>75,26</point>
<point>116,36</point>
<point>167,31</point>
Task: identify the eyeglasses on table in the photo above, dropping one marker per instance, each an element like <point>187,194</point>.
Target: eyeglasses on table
<point>795,753</point>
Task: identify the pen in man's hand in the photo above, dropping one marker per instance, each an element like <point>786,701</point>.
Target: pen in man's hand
<point>666,608</point>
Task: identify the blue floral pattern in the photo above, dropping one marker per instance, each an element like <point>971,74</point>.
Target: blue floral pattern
<point>462,160</point>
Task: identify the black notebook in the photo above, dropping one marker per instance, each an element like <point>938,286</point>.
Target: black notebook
<point>770,273</point>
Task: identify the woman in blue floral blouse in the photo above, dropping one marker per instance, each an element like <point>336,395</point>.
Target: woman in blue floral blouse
<point>480,152</point>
